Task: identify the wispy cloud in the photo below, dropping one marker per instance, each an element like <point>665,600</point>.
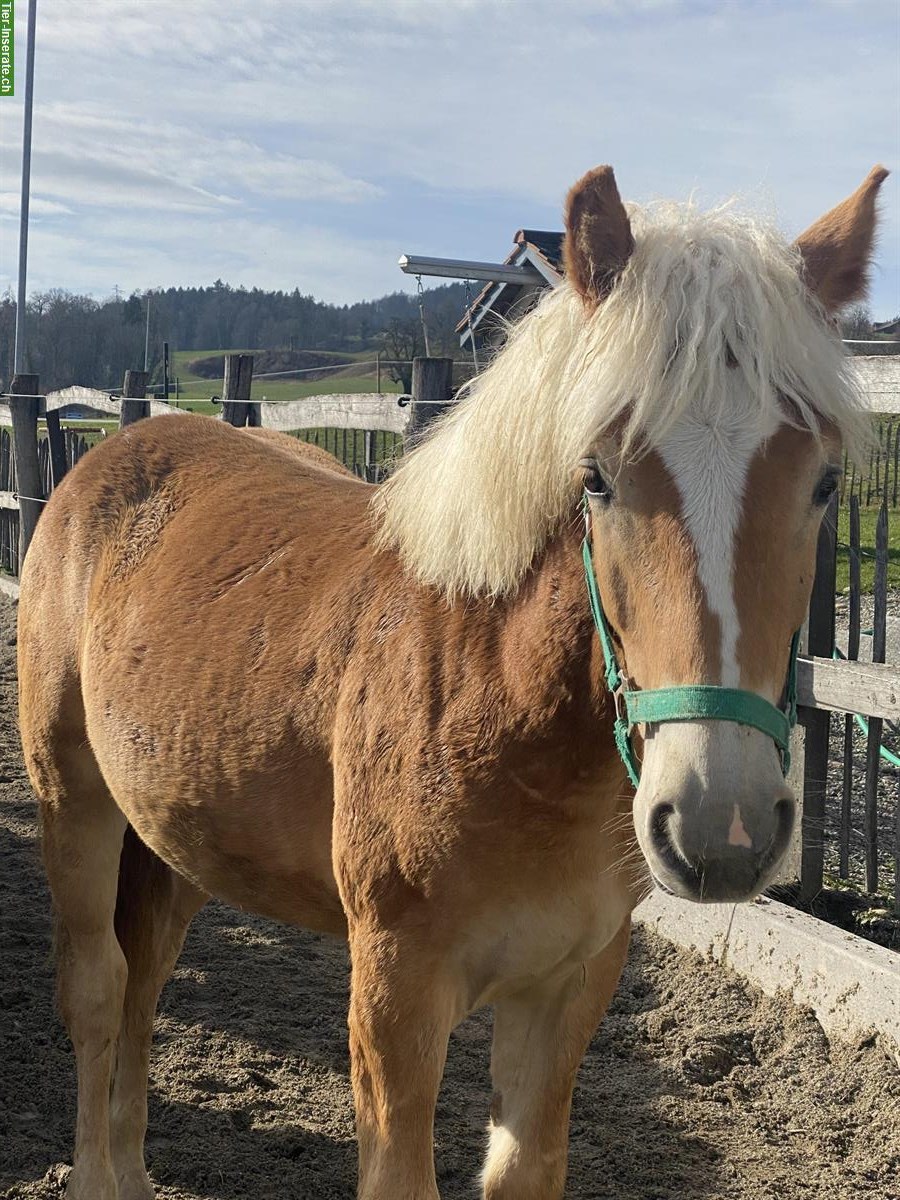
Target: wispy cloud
<point>10,201</point>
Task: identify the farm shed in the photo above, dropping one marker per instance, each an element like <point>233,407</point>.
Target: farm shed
<point>499,302</point>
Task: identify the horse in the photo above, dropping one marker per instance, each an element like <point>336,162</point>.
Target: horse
<point>385,713</point>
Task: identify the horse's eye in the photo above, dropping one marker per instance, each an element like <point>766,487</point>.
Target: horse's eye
<point>594,483</point>
<point>827,485</point>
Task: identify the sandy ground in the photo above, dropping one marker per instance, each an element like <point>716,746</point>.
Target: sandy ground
<point>696,1088</point>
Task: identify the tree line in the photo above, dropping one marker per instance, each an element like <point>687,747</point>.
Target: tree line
<point>78,339</point>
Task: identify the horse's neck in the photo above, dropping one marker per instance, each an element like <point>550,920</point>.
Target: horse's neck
<point>548,623</point>
<point>534,670</point>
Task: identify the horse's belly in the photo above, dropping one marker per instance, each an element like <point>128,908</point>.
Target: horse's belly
<point>211,748</point>
<point>269,854</point>
<point>253,831</point>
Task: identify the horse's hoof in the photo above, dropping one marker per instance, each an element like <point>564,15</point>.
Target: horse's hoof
<point>91,1182</point>
<point>136,1185</point>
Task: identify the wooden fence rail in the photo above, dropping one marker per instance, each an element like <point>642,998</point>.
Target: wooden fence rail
<point>75,445</point>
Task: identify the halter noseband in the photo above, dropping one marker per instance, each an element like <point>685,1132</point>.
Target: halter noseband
<point>690,702</point>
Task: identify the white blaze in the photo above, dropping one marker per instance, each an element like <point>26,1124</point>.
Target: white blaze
<point>709,461</point>
<point>709,464</point>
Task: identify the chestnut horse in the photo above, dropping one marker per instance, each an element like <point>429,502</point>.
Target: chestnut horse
<point>382,713</point>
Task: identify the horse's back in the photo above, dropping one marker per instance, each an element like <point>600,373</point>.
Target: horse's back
<point>124,493</point>
<point>178,510</point>
<point>313,455</point>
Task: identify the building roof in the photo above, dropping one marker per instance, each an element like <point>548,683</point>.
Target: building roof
<point>540,248</point>
<point>543,245</point>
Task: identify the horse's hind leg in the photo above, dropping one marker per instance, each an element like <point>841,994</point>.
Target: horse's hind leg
<point>82,840</point>
<point>154,908</point>
<point>540,1036</point>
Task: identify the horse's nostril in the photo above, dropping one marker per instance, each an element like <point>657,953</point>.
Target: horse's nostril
<point>785,814</point>
<point>659,826</point>
<point>785,809</point>
<point>664,842</point>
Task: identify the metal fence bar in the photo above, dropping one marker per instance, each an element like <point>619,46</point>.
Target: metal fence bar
<point>873,741</point>
<point>816,722</point>
<point>849,723</point>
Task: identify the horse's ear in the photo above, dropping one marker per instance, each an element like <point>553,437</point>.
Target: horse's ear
<point>837,249</point>
<point>598,240</point>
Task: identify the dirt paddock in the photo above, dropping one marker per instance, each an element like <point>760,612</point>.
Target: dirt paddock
<point>696,1087</point>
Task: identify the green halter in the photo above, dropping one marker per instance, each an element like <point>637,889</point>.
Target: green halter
<point>691,702</point>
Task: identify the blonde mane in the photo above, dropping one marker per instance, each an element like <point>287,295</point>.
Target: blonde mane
<point>704,297</point>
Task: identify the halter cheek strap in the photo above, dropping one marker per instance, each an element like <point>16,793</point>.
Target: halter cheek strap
<point>691,702</point>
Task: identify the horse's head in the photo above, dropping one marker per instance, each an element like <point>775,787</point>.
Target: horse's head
<point>706,487</point>
<point>692,365</point>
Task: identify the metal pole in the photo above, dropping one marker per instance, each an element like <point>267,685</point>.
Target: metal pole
<point>459,268</point>
<point>19,352</point>
<point>147,334</point>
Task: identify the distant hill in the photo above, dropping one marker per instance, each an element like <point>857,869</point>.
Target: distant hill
<point>77,339</point>
<point>212,366</point>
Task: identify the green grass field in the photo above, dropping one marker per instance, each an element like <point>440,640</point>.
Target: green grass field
<point>195,390</point>
<point>867,521</point>
<point>180,358</point>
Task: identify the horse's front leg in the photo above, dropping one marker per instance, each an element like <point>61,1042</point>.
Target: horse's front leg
<point>402,1010</point>
<point>540,1037</point>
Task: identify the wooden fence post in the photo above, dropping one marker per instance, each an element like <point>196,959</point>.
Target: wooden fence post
<point>58,464</point>
<point>236,406</point>
<point>24,406</point>
<point>432,390</point>
<point>817,723</point>
<point>134,405</point>
<point>791,868</point>
<point>7,553</point>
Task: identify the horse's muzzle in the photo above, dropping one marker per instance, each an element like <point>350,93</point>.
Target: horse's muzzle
<point>704,860</point>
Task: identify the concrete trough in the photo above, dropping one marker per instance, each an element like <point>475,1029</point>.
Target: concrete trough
<point>852,986</point>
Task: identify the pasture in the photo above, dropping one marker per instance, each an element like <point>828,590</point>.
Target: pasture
<point>195,389</point>
<point>696,1087</point>
<point>868,519</point>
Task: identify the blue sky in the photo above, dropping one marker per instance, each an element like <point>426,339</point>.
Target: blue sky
<point>308,143</point>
